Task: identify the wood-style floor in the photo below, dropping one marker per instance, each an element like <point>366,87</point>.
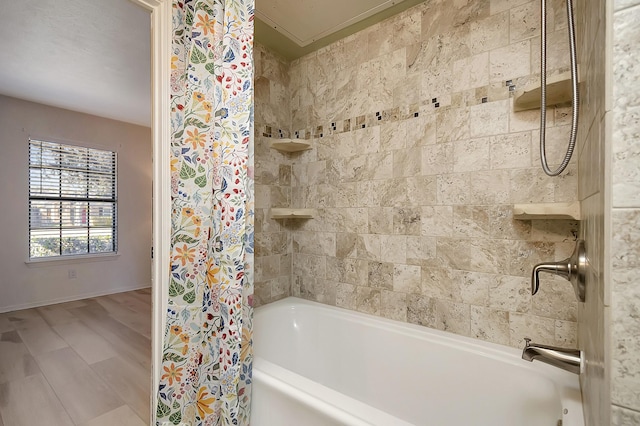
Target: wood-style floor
<point>78,363</point>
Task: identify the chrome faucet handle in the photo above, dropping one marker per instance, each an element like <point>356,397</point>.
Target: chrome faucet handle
<point>572,269</point>
<point>527,342</point>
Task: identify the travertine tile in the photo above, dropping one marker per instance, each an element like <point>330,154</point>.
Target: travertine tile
<point>380,220</point>
<point>421,311</point>
<point>453,317</point>
<point>524,21</point>
<point>439,283</point>
<point>421,190</point>
<point>346,296</point>
<point>472,287</point>
<point>566,334</point>
<point>407,162</point>
<point>538,329</point>
<point>407,221</point>
<point>421,250</point>
<point>489,33</point>
<point>525,255</point>
<point>504,226</point>
<point>348,270</point>
<point>471,221</point>
<point>346,245</point>
<point>437,159</point>
<point>368,300</point>
<point>437,221</point>
<point>497,6</point>
<point>510,293</point>
<point>394,248</point>
<point>452,125</point>
<point>471,72</point>
<point>471,155</point>
<point>368,246</point>
<point>509,62</point>
<point>555,299</point>
<point>393,305</point>
<point>624,417</point>
<point>490,325</point>
<point>490,118</point>
<point>309,265</point>
<point>381,275</point>
<point>407,279</point>
<point>511,151</point>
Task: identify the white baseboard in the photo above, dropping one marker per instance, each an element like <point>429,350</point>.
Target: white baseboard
<point>4,309</point>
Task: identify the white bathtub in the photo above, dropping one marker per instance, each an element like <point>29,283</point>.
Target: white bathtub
<point>320,365</point>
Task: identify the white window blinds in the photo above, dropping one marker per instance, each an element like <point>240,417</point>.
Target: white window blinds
<point>72,200</point>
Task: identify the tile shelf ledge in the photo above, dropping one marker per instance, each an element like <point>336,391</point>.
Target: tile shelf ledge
<point>558,92</point>
<point>547,211</point>
<point>285,213</point>
<point>290,145</point>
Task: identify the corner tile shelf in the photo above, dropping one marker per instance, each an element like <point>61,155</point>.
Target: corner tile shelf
<point>558,92</point>
<point>282,213</point>
<point>547,211</point>
<point>291,145</point>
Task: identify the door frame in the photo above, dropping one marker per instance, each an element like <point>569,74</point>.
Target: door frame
<point>161,28</point>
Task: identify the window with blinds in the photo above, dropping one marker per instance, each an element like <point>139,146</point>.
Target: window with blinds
<point>72,200</point>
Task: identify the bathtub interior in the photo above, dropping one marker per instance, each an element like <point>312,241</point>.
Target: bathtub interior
<point>402,370</point>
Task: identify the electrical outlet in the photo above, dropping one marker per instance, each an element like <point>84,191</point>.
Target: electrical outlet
<point>72,274</point>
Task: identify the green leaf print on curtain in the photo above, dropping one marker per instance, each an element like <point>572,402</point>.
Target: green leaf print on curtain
<point>207,355</point>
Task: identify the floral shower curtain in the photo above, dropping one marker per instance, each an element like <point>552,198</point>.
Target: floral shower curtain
<point>207,357</point>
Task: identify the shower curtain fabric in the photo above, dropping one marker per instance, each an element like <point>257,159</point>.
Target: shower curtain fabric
<point>207,356</point>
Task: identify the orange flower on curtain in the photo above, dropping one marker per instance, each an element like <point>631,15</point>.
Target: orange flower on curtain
<point>207,356</point>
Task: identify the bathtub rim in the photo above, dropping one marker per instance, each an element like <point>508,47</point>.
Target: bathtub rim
<point>567,384</point>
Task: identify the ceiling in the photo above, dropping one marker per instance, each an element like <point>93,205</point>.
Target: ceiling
<point>94,56</point>
<point>85,55</point>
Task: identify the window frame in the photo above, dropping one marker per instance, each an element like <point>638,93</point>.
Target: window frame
<point>60,198</point>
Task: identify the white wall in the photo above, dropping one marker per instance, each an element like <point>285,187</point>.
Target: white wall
<point>25,284</point>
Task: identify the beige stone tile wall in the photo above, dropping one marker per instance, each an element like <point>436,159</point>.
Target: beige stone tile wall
<point>417,158</point>
<point>593,315</point>
<point>272,177</point>
<point>625,214</point>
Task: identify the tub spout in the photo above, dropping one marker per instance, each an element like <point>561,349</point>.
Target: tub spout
<point>567,359</point>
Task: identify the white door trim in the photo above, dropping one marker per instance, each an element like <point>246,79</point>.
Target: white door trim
<point>161,28</point>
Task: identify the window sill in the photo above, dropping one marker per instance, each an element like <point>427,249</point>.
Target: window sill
<point>67,260</point>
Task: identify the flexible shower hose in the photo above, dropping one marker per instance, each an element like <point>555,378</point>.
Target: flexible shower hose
<point>543,91</point>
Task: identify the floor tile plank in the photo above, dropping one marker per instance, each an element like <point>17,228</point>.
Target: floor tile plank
<point>130,380</point>
<point>41,339</point>
<point>27,318</point>
<point>136,321</point>
<point>85,362</point>
<point>6,324</point>
<point>55,315</point>
<point>15,360</point>
<point>123,416</point>
<point>26,402</point>
<point>87,343</point>
<point>130,344</point>
<point>82,392</point>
